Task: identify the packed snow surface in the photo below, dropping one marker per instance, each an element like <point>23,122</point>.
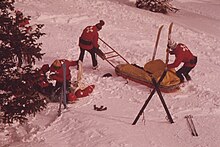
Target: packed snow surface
<point>132,32</point>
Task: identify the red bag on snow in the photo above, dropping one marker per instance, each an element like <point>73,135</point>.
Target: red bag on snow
<point>71,97</point>
<point>84,92</point>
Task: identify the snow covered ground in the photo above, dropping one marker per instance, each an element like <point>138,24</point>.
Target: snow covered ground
<point>132,32</point>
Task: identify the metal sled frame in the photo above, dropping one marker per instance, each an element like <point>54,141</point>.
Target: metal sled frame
<point>111,54</point>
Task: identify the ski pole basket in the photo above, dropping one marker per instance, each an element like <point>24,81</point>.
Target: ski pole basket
<point>111,54</point>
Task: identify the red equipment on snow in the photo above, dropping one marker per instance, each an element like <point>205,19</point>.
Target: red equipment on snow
<point>84,92</point>
<point>71,97</point>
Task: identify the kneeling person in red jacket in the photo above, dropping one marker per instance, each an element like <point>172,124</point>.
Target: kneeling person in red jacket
<point>182,54</point>
<point>56,71</point>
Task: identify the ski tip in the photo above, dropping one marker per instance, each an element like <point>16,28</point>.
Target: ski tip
<point>186,116</point>
<point>190,116</point>
<point>171,25</point>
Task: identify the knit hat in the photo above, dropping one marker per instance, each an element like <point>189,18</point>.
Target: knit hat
<point>172,44</point>
<point>57,64</point>
<point>100,24</point>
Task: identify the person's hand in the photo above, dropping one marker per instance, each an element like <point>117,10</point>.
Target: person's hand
<point>166,68</point>
<point>76,83</point>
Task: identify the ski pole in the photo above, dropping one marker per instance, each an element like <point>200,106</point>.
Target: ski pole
<point>64,85</point>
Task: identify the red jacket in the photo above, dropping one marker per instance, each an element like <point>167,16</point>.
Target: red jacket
<point>57,74</point>
<point>89,35</point>
<point>182,54</point>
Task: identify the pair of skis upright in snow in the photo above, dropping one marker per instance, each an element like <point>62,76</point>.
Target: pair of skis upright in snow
<point>157,41</point>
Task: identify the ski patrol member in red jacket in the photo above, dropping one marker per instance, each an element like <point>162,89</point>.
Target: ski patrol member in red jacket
<point>56,73</point>
<point>183,55</point>
<point>88,41</point>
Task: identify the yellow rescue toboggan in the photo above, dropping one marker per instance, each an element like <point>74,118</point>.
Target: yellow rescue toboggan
<point>143,75</point>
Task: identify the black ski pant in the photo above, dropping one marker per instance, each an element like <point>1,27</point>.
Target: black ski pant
<point>184,71</point>
<point>92,53</point>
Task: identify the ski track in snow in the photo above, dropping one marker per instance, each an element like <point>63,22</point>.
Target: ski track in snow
<point>199,98</point>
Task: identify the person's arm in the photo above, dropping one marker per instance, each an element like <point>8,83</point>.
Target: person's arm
<point>52,74</point>
<point>176,63</point>
<point>95,40</point>
<point>56,77</point>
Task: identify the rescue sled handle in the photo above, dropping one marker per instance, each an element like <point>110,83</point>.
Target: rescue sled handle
<point>113,50</point>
